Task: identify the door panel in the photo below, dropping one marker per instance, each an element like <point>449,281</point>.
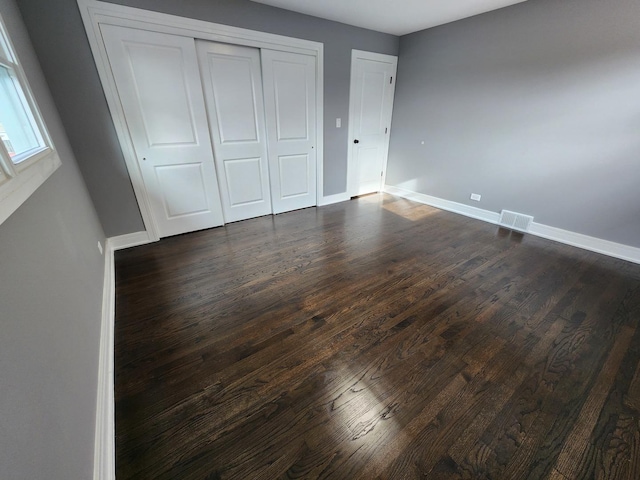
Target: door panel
<point>183,191</point>
<point>372,90</point>
<point>290,92</point>
<point>368,176</point>
<point>159,87</point>
<point>291,102</point>
<point>294,172</point>
<point>244,180</point>
<point>232,81</point>
<point>235,102</point>
<point>174,124</point>
<point>372,107</point>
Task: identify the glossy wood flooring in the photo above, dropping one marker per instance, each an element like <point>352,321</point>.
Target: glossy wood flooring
<point>376,338</point>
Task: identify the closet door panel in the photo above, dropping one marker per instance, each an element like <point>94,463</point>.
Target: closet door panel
<point>158,82</point>
<point>232,81</point>
<point>244,180</point>
<point>290,100</point>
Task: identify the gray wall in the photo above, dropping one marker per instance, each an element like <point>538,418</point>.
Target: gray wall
<point>535,106</point>
<point>63,50</point>
<point>50,308</point>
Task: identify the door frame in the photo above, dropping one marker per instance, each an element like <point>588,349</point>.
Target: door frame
<point>95,12</point>
<point>351,170</point>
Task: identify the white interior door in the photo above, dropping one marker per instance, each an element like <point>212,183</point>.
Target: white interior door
<point>370,107</point>
<point>159,87</point>
<point>289,81</point>
<point>232,80</point>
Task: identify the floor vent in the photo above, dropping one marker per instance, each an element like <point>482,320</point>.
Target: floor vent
<point>515,221</point>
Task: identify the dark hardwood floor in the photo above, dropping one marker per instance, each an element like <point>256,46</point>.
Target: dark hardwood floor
<point>377,338</point>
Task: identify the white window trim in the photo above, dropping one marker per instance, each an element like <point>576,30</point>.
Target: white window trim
<point>22,178</point>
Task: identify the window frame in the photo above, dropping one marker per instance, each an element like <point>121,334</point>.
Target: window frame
<point>21,176</point>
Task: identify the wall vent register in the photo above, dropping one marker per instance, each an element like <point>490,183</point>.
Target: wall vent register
<point>515,221</point>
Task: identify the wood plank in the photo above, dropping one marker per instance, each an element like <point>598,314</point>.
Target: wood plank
<point>576,443</point>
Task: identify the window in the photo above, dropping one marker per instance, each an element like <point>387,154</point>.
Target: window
<point>27,155</point>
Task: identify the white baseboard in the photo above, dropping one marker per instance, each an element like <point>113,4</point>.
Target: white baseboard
<point>104,453</point>
<point>104,467</point>
<point>129,240</point>
<point>449,206</point>
<point>598,245</point>
<point>331,199</point>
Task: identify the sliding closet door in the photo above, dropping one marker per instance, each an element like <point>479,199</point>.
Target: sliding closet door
<point>158,83</point>
<point>232,80</point>
<point>290,105</point>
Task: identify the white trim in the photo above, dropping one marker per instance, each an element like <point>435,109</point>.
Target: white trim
<point>115,14</point>
<point>320,124</point>
<point>593,244</point>
<point>352,188</point>
<point>598,245</point>
<point>442,204</point>
<point>95,12</point>
<point>104,444</point>
<point>104,453</point>
<point>129,240</point>
<point>331,199</point>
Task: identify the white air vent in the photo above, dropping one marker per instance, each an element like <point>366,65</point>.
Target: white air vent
<point>515,221</point>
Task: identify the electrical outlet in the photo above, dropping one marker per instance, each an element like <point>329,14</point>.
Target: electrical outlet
<point>338,122</point>
<point>476,197</point>
<point>100,247</point>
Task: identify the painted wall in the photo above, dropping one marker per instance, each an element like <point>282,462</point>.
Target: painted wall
<point>51,276</point>
<point>60,41</point>
<point>535,106</point>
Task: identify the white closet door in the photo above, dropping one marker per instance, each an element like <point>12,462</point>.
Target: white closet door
<point>232,80</point>
<point>372,91</point>
<point>290,105</point>
<point>159,86</point>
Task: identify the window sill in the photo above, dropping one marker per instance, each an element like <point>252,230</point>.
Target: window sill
<point>31,173</point>
<point>20,162</point>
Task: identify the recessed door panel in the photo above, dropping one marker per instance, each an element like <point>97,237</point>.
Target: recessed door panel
<point>232,81</point>
<point>159,86</point>
<point>369,178</point>
<point>183,189</point>
<point>235,105</point>
<point>290,91</point>
<point>294,172</point>
<point>372,103</point>
<point>163,100</point>
<point>244,181</point>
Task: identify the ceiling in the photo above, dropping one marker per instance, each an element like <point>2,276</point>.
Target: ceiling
<point>398,17</point>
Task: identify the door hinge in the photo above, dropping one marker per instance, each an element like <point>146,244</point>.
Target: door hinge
<point>386,129</point>
<point>381,174</point>
<point>390,80</point>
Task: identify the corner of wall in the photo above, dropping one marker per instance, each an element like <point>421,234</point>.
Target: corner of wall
<point>598,245</point>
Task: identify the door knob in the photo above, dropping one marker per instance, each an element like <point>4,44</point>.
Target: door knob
<point>356,141</point>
